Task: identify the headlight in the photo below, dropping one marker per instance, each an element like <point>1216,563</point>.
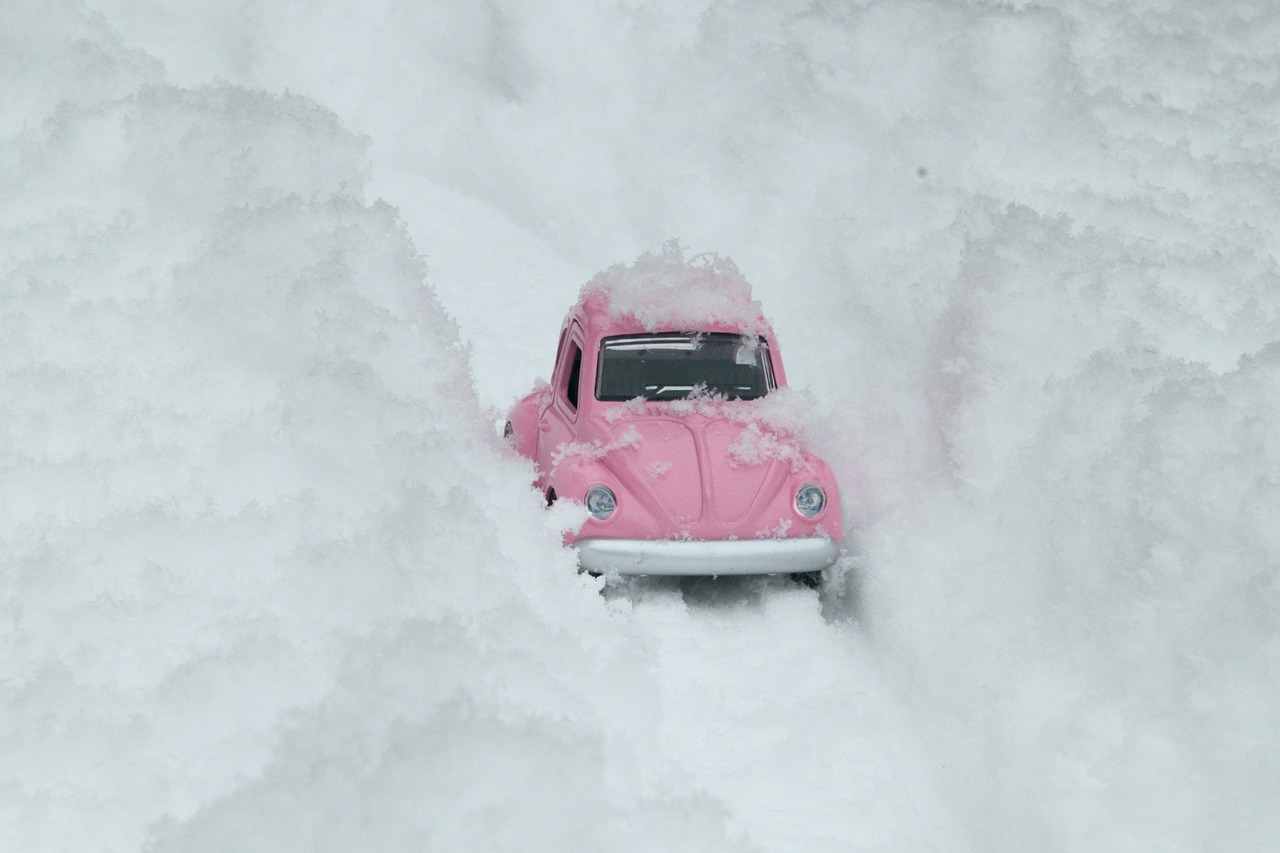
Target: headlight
<point>600,502</point>
<point>810,500</point>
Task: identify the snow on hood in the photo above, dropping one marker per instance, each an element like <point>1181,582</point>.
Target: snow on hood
<point>775,426</point>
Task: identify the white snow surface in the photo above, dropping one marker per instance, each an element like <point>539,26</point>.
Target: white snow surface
<point>664,290</point>
<point>270,582</point>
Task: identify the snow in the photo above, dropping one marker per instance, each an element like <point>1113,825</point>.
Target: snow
<point>755,446</point>
<point>268,270</point>
<point>595,449</point>
<point>665,291</point>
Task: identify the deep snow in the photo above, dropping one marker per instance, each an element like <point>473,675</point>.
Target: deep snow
<point>271,582</point>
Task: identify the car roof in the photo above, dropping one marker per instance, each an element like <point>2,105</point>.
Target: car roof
<point>665,293</point>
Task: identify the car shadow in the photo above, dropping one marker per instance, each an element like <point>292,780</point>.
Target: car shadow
<point>839,592</point>
<point>703,592</point>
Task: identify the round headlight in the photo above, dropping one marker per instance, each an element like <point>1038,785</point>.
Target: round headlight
<point>600,502</point>
<point>810,500</point>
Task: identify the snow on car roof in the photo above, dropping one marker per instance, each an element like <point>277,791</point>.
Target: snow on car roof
<point>664,291</point>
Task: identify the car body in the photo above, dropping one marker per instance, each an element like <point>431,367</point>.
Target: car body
<point>667,430</point>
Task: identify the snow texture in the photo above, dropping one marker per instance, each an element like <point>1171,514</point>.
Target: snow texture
<point>595,449</point>
<point>665,291</point>
<point>755,446</point>
<point>267,271</point>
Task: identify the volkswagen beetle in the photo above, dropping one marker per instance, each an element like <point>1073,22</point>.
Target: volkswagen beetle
<point>667,417</point>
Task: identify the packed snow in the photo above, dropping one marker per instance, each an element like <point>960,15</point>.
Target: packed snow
<point>269,271</point>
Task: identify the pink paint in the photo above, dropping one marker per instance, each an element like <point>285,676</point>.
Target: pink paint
<point>702,468</point>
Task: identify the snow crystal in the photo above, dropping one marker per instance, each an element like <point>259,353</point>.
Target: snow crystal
<point>635,407</point>
<point>755,446</point>
<point>595,449</point>
<point>656,469</point>
<point>784,411</point>
<point>778,532</point>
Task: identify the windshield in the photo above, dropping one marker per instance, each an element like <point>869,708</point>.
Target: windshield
<point>670,366</point>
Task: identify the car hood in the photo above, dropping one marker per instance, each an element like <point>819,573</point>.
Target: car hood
<point>703,474</point>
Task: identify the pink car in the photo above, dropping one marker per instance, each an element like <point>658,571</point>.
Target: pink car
<point>666,418</point>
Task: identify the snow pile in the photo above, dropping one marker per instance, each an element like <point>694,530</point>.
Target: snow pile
<point>665,291</point>
<point>1082,591</point>
<point>63,58</point>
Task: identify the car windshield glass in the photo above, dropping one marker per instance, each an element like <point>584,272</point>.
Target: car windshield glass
<point>670,366</point>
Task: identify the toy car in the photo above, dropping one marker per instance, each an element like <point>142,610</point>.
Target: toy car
<point>666,416</point>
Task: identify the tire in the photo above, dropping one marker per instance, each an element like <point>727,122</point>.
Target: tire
<point>809,580</point>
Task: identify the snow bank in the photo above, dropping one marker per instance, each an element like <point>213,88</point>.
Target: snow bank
<point>268,581</point>
<point>1080,592</point>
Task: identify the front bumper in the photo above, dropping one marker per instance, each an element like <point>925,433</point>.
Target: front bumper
<point>707,557</point>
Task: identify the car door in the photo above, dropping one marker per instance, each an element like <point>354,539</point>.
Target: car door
<point>559,420</point>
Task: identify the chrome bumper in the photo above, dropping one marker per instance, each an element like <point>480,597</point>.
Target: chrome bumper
<point>702,557</point>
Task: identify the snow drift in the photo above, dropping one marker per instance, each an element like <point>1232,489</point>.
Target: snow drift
<point>270,581</point>
<point>247,489</point>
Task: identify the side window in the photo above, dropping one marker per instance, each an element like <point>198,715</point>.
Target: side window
<point>575,370</point>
